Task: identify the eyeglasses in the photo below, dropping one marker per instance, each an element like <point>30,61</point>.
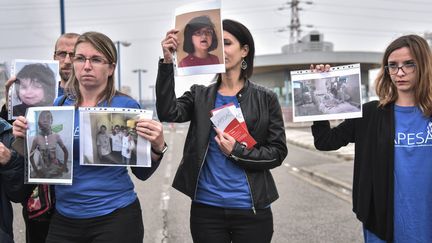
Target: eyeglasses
<point>94,61</point>
<point>206,32</point>
<point>63,54</point>
<point>28,84</point>
<point>407,68</point>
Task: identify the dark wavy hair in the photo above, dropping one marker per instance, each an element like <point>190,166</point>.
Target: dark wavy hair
<point>40,73</point>
<point>193,25</point>
<point>243,35</point>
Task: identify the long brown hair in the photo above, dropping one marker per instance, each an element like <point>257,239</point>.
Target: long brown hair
<point>421,52</point>
<point>104,45</point>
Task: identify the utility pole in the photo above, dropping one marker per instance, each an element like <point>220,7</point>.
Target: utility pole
<point>62,18</point>
<point>294,27</point>
<point>295,22</point>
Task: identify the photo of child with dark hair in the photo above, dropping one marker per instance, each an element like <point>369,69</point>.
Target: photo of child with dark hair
<point>199,40</point>
<point>35,85</point>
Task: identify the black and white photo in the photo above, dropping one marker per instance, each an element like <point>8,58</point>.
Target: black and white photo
<point>325,96</point>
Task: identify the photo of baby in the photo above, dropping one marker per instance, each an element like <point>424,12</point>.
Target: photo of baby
<point>35,86</point>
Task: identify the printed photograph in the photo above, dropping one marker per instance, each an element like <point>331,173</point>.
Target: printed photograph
<point>36,85</point>
<point>4,76</point>
<point>108,137</point>
<point>200,37</point>
<point>50,144</point>
<point>327,96</point>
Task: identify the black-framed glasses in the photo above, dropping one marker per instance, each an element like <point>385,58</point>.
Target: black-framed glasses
<point>407,68</point>
<point>205,32</point>
<point>94,60</point>
<point>63,54</point>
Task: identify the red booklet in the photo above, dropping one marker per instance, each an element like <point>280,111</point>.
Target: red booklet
<point>234,110</point>
<point>226,119</point>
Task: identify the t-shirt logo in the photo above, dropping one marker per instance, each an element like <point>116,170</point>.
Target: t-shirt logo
<point>429,129</point>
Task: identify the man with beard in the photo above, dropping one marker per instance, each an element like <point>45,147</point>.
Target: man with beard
<point>64,52</point>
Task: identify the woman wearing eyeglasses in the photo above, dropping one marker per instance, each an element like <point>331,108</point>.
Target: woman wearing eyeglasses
<point>199,40</point>
<point>392,186</point>
<point>101,204</point>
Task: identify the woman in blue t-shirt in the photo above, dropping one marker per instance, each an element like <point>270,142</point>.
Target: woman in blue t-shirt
<point>100,205</point>
<point>393,143</point>
<point>230,183</point>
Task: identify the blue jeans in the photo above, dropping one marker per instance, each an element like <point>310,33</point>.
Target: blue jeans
<point>370,237</point>
<point>221,225</point>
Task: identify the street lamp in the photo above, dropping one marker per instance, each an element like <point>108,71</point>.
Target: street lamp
<point>152,87</point>
<point>125,44</point>
<point>139,71</point>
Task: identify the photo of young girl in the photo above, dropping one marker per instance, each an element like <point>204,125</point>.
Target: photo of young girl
<point>35,85</point>
<point>200,37</point>
<point>199,40</point>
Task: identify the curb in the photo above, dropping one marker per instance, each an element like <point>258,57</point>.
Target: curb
<point>327,180</point>
<point>338,154</point>
<point>336,186</point>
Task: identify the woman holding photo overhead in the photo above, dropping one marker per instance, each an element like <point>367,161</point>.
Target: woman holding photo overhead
<point>393,144</point>
<point>231,187</point>
<point>101,204</point>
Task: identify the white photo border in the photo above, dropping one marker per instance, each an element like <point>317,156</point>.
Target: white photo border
<point>143,147</point>
<point>67,119</point>
<point>16,66</point>
<point>202,69</point>
<point>338,71</point>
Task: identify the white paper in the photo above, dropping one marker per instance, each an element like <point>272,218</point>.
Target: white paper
<point>327,95</point>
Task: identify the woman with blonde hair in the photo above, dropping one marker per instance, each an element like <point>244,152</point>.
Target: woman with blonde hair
<point>101,204</point>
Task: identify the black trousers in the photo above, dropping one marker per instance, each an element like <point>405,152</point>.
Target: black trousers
<point>220,225</point>
<point>36,230</point>
<point>121,226</point>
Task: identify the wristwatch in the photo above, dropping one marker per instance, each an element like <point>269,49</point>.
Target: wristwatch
<point>160,153</point>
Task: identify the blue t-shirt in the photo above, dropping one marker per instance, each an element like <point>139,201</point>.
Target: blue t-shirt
<point>222,183</point>
<point>60,90</point>
<point>96,190</point>
<point>412,176</point>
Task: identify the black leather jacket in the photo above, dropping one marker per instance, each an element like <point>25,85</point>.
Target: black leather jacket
<point>263,117</point>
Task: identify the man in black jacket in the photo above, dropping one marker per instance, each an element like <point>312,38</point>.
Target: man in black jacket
<point>12,186</point>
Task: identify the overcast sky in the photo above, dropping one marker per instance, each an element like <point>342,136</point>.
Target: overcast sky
<point>29,28</point>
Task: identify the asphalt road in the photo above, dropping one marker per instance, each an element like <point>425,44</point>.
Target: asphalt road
<point>305,212</point>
